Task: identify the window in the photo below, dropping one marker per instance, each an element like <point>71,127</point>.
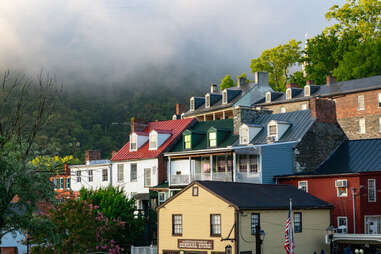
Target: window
<point>67,183</point>
<point>272,130</point>
<point>253,167</point>
<point>225,97</point>
<point>288,94</point>
<point>215,224</point>
<point>242,163</point>
<point>255,221</point>
<point>304,106</point>
<point>177,224</point>
<point>307,91</point>
<point>120,172</point>
<point>104,175</point>
<point>55,183</point>
<point>195,191</point>
<point>207,101</point>
<point>341,186</point>
<point>133,173</point>
<point>342,224</point>
<point>212,139</point>
<point>372,190</point>
<point>268,97</point>
<point>62,183</point>
<point>153,140</point>
<point>187,141</point>
<point>379,100</point>
<point>133,145</point>
<point>191,106</point>
<point>244,135</point>
<point>362,127</point>
<point>282,110</point>
<point>90,173</point>
<point>78,173</point>
<point>162,197</point>
<point>303,185</point>
<point>298,222</point>
<point>147,177</point>
<point>360,102</point>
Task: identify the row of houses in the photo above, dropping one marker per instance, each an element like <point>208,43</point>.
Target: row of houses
<point>242,144</point>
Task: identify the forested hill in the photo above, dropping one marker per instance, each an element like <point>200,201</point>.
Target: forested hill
<point>98,117</point>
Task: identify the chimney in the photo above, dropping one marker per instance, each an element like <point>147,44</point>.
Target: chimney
<point>291,85</point>
<point>241,82</point>
<point>137,125</point>
<point>67,169</point>
<point>180,108</point>
<point>213,88</point>
<point>261,78</point>
<point>92,155</point>
<point>309,82</point>
<point>330,80</point>
<point>323,110</point>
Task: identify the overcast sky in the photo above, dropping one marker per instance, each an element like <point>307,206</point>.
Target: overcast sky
<point>109,40</point>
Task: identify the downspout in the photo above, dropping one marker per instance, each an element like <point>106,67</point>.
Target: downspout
<point>236,231</point>
<point>354,209</point>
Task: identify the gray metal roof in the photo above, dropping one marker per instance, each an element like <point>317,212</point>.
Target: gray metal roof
<point>300,122</point>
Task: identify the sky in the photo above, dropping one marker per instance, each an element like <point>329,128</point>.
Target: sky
<point>108,41</point>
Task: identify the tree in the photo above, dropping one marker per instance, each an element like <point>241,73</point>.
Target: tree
<point>277,62</point>
<point>227,82</point>
<point>298,78</point>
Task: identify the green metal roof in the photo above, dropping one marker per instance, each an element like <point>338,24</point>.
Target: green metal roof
<point>201,128</point>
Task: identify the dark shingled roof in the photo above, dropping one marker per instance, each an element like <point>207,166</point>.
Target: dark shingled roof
<point>354,156</point>
<point>264,196</point>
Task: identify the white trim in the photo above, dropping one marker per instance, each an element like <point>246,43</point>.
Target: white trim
<point>135,136</point>
<point>307,90</point>
<point>337,188</point>
<point>153,135</point>
<point>191,104</point>
<point>375,190</point>
<point>207,100</point>
<point>288,93</point>
<point>301,187</point>
<point>362,126</point>
<point>224,96</point>
<point>365,224</point>
<point>268,97</point>
<point>360,102</point>
<point>244,135</point>
<point>379,100</point>
<point>346,223</point>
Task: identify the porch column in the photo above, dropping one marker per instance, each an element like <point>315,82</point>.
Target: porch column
<point>204,118</point>
<point>214,116</point>
<point>169,171</point>
<point>234,167</point>
<point>211,167</point>
<point>223,115</point>
<point>190,170</point>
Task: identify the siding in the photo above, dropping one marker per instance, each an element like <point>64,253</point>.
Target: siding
<point>276,159</point>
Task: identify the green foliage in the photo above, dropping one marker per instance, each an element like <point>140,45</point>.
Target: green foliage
<point>277,62</point>
<point>113,204</point>
<point>298,78</point>
<point>227,82</point>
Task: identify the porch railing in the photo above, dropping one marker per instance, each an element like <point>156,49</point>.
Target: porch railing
<point>180,179</point>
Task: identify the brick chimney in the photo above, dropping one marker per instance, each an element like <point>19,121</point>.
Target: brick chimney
<point>180,108</point>
<point>241,82</point>
<point>213,88</point>
<point>291,85</point>
<point>323,109</point>
<point>92,155</point>
<point>330,80</point>
<point>137,125</point>
<point>309,82</point>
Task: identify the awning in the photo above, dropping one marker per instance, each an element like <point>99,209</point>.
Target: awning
<point>141,196</point>
<point>357,238</point>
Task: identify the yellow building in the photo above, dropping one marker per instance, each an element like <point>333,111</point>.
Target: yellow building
<point>207,216</point>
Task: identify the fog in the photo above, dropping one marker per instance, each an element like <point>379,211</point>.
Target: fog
<point>117,41</point>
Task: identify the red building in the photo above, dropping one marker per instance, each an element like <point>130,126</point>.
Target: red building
<point>350,179</point>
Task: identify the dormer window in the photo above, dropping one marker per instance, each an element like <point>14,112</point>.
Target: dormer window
<point>191,104</point>
<point>187,141</point>
<point>212,139</point>
<point>225,97</point>
<point>273,130</point>
<point>268,97</point>
<point>153,140</point>
<point>307,90</point>
<point>207,100</point>
<point>133,141</point>
<point>244,135</point>
<point>288,94</point>
<point>276,129</point>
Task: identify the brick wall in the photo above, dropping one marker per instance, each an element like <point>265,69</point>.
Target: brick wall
<point>290,107</point>
<point>323,109</point>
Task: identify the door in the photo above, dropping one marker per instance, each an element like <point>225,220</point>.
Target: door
<point>372,225</point>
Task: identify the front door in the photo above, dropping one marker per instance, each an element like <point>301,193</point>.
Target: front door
<point>372,224</point>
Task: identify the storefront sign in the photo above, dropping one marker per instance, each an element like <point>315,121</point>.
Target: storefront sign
<point>195,244</point>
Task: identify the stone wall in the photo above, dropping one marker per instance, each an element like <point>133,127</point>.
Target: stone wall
<point>289,106</point>
<point>351,127</point>
<point>245,115</point>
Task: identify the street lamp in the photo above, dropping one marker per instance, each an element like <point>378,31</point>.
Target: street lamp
<point>228,249</point>
<point>330,232</point>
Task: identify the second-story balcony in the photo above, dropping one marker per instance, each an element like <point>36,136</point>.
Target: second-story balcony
<point>215,176</point>
<point>180,179</point>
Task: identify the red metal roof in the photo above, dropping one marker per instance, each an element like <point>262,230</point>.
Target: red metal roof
<point>176,127</point>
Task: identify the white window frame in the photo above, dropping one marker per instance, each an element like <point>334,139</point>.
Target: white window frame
<point>212,141</point>
<point>120,176</point>
<point>225,97</point>
<point>303,188</point>
<point>207,100</point>
<point>244,135</point>
<point>147,177</point>
<point>360,102</point>
<point>282,110</point>
<point>362,126</point>
<point>191,104</point>
<point>307,90</point>
<point>90,174</point>
<point>269,127</point>
<point>268,97</point>
<point>153,138</point>
<point>288,94</point>
<point>160,198</point>
<point>78,174</point>
<point>136,172</point>
<point>337,188</point>
<point>366,226</point>
<point>104,175</point>
<point>133,142</point>
<point>188,136</point>
<point>338,224</point>
<point>374,190</point>
<point>379,100</point>
<point>379,123</point>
